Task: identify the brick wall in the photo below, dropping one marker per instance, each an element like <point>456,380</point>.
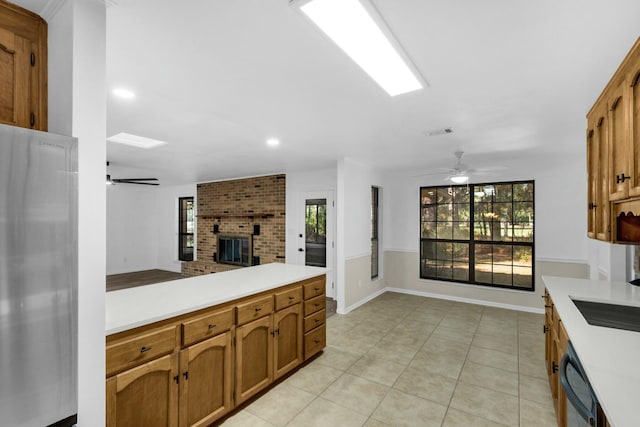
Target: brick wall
<point>236,206</point>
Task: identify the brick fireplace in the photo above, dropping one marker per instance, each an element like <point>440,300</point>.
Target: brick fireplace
<point>251,207</point>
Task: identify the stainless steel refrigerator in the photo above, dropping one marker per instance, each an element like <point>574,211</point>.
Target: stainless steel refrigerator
<point>38,278</point>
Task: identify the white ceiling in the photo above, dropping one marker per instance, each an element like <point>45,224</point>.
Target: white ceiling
<point>215,79</point>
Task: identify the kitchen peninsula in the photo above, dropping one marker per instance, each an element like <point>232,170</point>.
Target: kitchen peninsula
<point>190,350</point>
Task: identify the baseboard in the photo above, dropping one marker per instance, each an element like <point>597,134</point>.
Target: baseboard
<point>362,302</point>
<point>465,300</point>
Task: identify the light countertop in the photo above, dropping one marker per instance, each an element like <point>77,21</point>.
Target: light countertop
<point>610,357</point>
<point>129,308</point>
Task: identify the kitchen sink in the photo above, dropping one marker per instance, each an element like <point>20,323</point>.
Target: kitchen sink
<point>616,316</point>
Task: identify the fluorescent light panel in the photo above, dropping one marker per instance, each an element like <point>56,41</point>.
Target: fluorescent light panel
<point>362,34</point>
<point>135,140</point>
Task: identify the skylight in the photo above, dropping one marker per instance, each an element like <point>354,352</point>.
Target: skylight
<point>356,27</point>
<point>135,141</point>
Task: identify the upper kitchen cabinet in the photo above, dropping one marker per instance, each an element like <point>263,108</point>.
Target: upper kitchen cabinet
<point>599,226</point>
<point>23,68</point>
<point>613,162</point>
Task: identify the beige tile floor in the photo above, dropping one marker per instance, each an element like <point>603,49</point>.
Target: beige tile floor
<point>403,360</point>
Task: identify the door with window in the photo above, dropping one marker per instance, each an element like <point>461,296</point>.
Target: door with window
<point>316,246</point>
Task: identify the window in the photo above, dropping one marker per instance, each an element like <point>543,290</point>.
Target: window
<point>374,232</point>
<point>480,234</point>
<point>186,226</point>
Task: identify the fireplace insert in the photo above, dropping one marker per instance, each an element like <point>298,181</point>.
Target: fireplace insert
<point>235,250</point>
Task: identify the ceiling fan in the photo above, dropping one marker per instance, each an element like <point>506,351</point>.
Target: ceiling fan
<point>459,173</point>
<point>139,181</point>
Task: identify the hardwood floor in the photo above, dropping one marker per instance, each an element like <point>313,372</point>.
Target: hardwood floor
<point>129,280</point>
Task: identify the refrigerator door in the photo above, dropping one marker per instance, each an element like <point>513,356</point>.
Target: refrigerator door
<point>38,277</point>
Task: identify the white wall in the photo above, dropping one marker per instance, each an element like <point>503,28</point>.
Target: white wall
<point>355,180</point>
<point>560,235</point>
<point>132,228</point>
<point>77,106</point>
<point>142,227</point>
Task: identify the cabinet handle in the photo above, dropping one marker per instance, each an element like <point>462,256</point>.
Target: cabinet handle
<point>316,341</point>
<point>144,349</point>
<point>316,305</point>
<point>177,379</point>
<point>186,375</point>
<point>258,309</point>
<point>554,367</point>
<point>212,326</point>
<point>316,289</point>
<point>318,320</point>
<point>548,306</point>
<point>291,297</point>
<point>592,205</point>
<point>621,178</point>
<point>32,119</point>
<point>544,329</point>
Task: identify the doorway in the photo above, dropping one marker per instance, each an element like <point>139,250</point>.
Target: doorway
<point>316,246</point>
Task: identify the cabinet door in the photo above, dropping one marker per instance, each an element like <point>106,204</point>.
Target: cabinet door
<point>619,161</point>
<point>254,357</point>
<point>592,180</point>
<point>145,396</point>
<point>15,79</point>
<point>205,386</point>
<point>288,339</point>
<point>23,68</point>
<point>634,124</point>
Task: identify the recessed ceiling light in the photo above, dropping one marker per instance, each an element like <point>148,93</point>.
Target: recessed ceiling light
<point>135,140</point>
<point>273,142</point>
<point>123,93</point>
<point>358,29</point>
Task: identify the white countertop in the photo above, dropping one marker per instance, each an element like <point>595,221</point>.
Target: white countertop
<point>610,357</point>
<point>142,305</point>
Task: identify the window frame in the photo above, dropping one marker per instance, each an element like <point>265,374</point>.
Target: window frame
<point>472,241</point>
<point>183,254</point>
<point>375,232</point>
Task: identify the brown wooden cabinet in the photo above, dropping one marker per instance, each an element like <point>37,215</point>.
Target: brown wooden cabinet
<point>254,357</point>
<point>613,156</point>
<point>152,386</point>
<point>23,68</point>
<point>193,369</point>
<point>287,346</point>
<point>206,381</point>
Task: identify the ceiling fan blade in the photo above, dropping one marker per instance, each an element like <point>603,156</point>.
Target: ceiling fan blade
<point>133,181</point>
<point>137,179</point>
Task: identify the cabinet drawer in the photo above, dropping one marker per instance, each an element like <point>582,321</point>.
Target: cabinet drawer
<point>315,320</point>
<point>287,298</point>
<point>315,304</point>
<point>140,349</point>
<point>314,288</point>
<point>206,326</point>
<point>254,309</point>
<point>315,341</point>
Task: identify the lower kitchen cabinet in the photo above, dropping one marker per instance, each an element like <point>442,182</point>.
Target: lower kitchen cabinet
<point>191,370</point>
<point>288,340</point>
<point>254,357</point>
<point>152,386</point>
<point>206,381</point>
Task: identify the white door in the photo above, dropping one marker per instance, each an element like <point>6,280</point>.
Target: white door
<point>316,241</point>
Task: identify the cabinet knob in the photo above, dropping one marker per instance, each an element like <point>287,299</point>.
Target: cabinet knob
<point>144,349</point>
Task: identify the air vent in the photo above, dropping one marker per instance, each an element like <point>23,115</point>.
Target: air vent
<point>436,132</point>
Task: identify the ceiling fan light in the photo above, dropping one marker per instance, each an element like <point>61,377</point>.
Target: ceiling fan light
<point>459,179</point>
